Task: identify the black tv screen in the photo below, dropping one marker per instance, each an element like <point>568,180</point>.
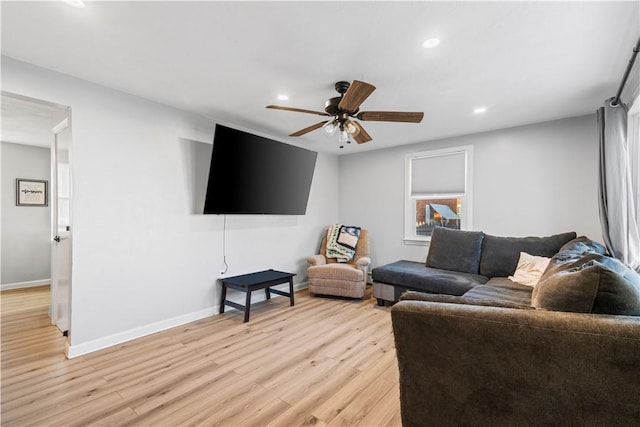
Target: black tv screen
<point>250,174</point>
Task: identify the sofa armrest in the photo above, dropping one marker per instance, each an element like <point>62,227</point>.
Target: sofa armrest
<point>475,365</point>
<point>316,260</point>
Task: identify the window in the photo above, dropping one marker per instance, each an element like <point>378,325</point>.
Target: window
<point>438,191</point>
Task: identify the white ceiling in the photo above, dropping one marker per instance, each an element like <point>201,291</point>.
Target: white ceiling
<point>526,62</point>
<point>25,121</point>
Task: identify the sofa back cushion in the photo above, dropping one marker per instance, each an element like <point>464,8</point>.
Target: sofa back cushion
<point>455,250</point>
<point>580,278</point>
<point>500,254</point>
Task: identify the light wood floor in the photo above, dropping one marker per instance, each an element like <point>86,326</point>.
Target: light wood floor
<point>322,362</point>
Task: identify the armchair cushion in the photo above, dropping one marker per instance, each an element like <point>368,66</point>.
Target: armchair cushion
<point>336,272</point>
<point>336,279</point>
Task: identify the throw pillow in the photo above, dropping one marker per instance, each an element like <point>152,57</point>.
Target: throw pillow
<point>455,250</point>
<point>593,283</point>
<point>529,269</point>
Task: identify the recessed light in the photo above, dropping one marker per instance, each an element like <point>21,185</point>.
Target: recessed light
<point>429,43</point>
<point>283,97</point>
<point>75,3</point>
<point>479,110</point>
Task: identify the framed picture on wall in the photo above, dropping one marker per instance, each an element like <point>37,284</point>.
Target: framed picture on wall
<point>31,192</point>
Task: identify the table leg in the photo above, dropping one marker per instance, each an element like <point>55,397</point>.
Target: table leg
<point>223,296</point>
<point>267,293</point>
<point>291,290</point>
<point>247,305</point>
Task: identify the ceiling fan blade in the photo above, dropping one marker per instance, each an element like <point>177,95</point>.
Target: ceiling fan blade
<point>361,136</point>
<point>391,116</point>
<point>355,95</point>
<point>309,129</point>
<point>298,110</point>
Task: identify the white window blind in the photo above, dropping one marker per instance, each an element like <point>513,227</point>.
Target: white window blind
<point>443,174</point>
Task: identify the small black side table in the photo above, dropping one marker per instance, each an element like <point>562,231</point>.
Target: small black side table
<point>252,281</point>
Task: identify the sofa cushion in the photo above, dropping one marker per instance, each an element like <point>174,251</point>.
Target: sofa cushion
<point>503,292</point>
<point>453,299</point>
<point>500,254</point>
<point>414,275</point>
<point>588,282</point>
<point>455,250</point>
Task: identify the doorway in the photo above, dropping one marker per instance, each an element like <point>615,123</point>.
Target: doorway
<point>32,126</point>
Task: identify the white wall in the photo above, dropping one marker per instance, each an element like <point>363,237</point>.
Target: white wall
<point>26,230</point>
<point>533,180</point>
<point>142,259</point>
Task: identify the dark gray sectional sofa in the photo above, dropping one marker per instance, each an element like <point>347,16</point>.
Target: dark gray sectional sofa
<point>565,352</point>
<point>469,263</point>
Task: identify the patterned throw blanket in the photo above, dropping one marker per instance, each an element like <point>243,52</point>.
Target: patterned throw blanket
<point>341,242</point>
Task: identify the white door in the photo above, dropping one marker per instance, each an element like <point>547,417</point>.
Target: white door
<point>61,207</point>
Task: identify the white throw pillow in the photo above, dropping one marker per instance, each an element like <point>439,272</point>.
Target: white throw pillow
<point>529,269</point>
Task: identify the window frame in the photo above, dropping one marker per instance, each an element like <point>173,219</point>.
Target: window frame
<point>466,215</point>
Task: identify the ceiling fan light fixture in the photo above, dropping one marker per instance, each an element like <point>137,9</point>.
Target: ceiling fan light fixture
<point>343,137</point>
<point>431,43</point>
<point>79,4</point>
<point>351,128</point>
<point>330,127</point>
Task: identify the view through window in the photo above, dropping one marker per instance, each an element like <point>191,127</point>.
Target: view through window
<point>437,212</point>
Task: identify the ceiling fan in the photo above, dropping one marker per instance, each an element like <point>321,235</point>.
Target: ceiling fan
<point>343,109</point>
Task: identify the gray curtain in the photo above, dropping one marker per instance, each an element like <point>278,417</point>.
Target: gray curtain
<point>616,192</point>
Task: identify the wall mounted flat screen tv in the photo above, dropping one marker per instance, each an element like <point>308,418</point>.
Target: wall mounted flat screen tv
<point>250,174</point>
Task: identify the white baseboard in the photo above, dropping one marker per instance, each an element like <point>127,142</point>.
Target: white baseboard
<point>21,285</point>
<point>139,332</point>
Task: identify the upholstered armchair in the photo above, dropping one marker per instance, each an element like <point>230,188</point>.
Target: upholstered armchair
<point>327,276</point>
